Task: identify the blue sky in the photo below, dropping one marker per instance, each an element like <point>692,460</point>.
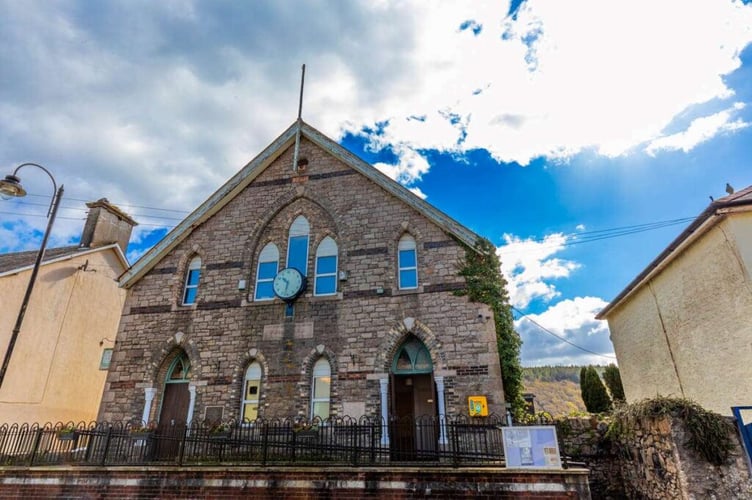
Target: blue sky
<point>580,137</point>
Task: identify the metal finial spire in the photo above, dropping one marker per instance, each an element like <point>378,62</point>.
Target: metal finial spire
<point>300,121</point>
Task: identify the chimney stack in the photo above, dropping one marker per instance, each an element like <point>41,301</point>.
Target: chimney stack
<point>106,224</point>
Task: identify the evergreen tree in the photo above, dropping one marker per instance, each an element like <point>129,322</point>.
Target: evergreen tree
<point>612,377</point>
<point>481,269</point>
<point>594,392</point>
<point>583,376</point>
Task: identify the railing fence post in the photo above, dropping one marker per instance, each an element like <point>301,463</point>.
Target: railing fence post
<point>37,440</point>
<point>106,450</point>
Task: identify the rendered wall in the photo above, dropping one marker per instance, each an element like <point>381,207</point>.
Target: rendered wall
<point>687,332</point>
<point>54,373</point>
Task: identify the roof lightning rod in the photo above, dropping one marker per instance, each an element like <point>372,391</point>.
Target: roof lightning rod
<point>300,122</point>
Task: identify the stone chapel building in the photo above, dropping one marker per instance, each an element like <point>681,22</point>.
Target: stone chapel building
<point>369,324</point>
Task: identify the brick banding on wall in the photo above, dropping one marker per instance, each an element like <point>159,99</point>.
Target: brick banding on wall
<point>150,309</point>
<point>463,371</point>
<point>224,265</point>
<point>444,287</point>
<point>368,251</point>
<point>330,175</point>
<point>219,304</point>
<point>163,270</point>
<point>362,294</point>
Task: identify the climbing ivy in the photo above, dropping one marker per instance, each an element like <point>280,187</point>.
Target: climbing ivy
<point>481,269</point>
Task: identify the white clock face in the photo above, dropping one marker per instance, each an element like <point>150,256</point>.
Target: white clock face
<point>288,283</point>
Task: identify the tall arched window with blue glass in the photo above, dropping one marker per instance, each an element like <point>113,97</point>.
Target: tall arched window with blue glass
<point>297,247</point>
<point>268,264</point>
<point>325,282</point>
<point>191,281</point>
<point>407,257</point>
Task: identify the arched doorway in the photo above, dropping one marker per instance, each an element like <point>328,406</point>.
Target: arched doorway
<point>414,409</point>
<point>176,399</point>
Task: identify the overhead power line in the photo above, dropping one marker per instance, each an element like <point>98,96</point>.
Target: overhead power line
<point>546,330</point>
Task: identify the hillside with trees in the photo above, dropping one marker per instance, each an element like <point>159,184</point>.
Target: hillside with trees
<point>556,389</point>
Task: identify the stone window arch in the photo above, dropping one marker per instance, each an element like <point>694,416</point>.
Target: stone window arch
<point>407,263</point>
<point>266,270</point>
<point>325,282</point>
<point>249,411</point>
<point>191,282</point>
<point>297,245</point>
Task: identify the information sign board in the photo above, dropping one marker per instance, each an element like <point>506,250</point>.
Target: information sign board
<point>532,446</point>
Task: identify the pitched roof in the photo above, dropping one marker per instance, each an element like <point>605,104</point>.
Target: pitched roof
<point>255,167</point>
<point>17,260</point>
<point>11,263</point>
<point>708,218</point>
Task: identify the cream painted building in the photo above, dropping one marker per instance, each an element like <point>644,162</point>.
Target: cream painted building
<point>59,364</point>
<point>683,327</point>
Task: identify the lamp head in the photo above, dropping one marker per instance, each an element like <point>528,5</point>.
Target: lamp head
<point>10,187</point>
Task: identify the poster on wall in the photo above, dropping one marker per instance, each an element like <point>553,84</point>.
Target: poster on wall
<point>531,447</point>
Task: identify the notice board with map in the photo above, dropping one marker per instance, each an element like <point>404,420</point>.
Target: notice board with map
<point>533,446</point>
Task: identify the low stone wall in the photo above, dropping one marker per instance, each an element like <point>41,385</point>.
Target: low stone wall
<point>583,439</point>
<point>653,461</point>
<point>283,483</point>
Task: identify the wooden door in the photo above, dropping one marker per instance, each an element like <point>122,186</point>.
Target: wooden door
<point>426,412</point>
<point>172,420</point>
<point>403,418</point>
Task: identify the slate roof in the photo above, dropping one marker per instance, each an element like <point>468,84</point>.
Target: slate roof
<point>18,260</point>
<point>255,167</point>
<point>715,208</point>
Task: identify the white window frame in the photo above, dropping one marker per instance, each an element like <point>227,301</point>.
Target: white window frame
<point>270,253</point>
<point>407,242</point>
<point>327,248</point>
<point>252,374</point>
<point>321,369</point>
<point>299,228</point>
<point>194,265</point>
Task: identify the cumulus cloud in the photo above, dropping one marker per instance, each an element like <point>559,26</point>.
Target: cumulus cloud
<point>529,266</point>
<point>544,83</point>
<point>572,320</point>
<point>157,103</point>
<point>700,130</point>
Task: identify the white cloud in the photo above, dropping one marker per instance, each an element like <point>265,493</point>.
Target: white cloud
<point>552,84</point>
<point>573,320</point>
<point>700,130</point>
<point>157,103</point>
<point>529,266</point>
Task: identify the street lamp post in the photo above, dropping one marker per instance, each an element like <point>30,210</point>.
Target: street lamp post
<point>11,187</point>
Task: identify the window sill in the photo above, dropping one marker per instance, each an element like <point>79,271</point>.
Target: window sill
<point>407,291</point>
<point>325,298</point>
<point>185,307</point>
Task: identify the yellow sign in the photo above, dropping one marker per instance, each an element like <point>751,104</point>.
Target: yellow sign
<point>478,406</point>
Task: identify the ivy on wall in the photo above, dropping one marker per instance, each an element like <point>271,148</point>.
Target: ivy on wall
<point>710,434</point>
<point>481,269</point>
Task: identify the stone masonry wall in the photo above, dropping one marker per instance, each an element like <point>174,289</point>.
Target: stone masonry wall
<point>358,330</point>
<point>653,462</point>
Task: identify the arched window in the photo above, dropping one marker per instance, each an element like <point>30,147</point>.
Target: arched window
<point>412,357</point>
<point>191,281</point>
<point>179,370</point>
<point>297,248</point>
<point>267,269</point>
<point>251,392</point>
<point>321,385</point>
<point>326,268</point>
<point>407,258</point>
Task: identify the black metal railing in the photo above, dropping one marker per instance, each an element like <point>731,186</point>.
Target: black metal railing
<point>337,441</point>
